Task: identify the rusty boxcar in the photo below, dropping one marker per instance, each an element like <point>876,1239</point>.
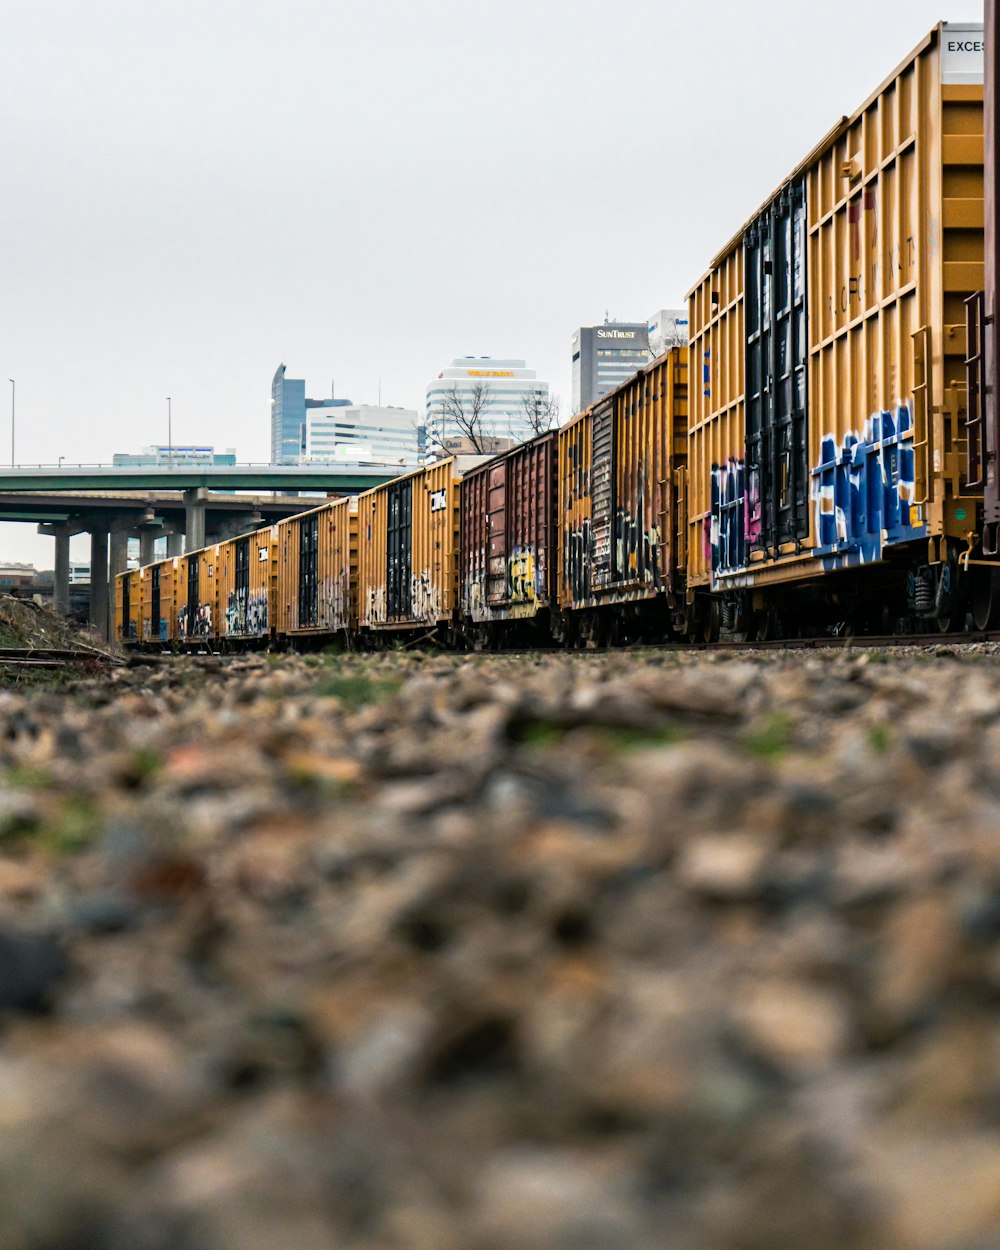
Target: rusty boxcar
<point>621,507</point>
<point>243,586</point>
<point>827,444</point>
<point>983,353</point>
<point>507,544</point>
<point>316,571</point>
<point>408,548</point>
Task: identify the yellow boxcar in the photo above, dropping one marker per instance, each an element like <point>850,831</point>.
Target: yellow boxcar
<point>621,500</point>
<point>195,604</point>
<point>145,603</point>
<point>159,618</point>
<point>129,598</point>
<point>243,571</point>
<point>408,548</point>
<point>827,425</point>
<point>316,570</point>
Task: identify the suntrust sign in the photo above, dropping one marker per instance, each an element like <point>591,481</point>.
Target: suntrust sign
<point>630,336</point>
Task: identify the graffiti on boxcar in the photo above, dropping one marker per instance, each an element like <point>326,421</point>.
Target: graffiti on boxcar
<point>246,613</point>
<point>202,622</point>
<point>425,599</point>
<point>637,544</point>
<point>864,490</point>
<point>375,610</point>
<point>732,525</point>
<point>576,561</point>
<point>475,600</point>
<point>525,576</point>
<point>334,602</point>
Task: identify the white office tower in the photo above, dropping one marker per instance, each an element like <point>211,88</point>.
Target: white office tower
<point>495,397</point>
<point>668,328</point>
<point>361,434</point>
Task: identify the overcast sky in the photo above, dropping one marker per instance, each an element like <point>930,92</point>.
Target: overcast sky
<point>197,190</point>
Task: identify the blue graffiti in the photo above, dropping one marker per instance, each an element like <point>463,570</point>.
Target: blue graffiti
<point>730,530</point>
<point>864,491</point>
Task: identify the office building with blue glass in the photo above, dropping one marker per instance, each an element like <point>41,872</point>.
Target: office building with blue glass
<point>288,416</point>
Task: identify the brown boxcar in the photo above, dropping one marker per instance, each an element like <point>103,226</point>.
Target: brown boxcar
<point>621,503</point>
<point>316,571</point>
<point>408,548</point>
<point>195,605</point>
<point>983,351</point>
<point>243,586</point>
<point>508,537</point>
<point>827,429</point>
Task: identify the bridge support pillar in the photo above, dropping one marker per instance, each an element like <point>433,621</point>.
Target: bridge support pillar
<point>119,563</point>
<point>60,589</point>
<point>194,519</point>
<point>175,545</point>
<point>99,619</point>
<point>147,545</point>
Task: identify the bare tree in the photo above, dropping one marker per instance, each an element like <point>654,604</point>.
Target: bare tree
<point>541,411</point>
<point>460,410</point>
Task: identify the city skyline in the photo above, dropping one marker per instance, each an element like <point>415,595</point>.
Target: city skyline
<point>153,251</point>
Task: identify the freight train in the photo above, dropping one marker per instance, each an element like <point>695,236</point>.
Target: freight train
<point>808,463</point>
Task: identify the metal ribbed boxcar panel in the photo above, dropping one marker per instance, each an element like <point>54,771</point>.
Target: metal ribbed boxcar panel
<point>158,619</point>
<point>621,482</point>
<point>893,197</point>
<point>574,511</point>
<point>244,585</point>
<point>508,533</point>
<point>128,597</point>
<point>195,608</point>
<point>650,426</point>
<point>984,437</point>
<point>434,565</point>
<point>474,542</point>
<point>602,439</point>
<point>895,246</point>
<point>335,526</point>
<point>337,568</point>
<point>408,550</point>
<point>716,432</point>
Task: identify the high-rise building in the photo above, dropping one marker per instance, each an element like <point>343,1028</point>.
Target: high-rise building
<point>362,434</point>
<point>500,391</point>
<point>668,328</point>
<point>604,357</point>
<point>288,416</point>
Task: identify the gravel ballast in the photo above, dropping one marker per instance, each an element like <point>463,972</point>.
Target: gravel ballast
<point>624,951</point>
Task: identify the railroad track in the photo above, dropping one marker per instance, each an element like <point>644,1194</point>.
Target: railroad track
<point>54,657</point>
<point>849,642</point>
<point>859,642</point>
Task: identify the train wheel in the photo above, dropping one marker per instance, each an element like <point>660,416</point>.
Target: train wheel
<point>986,598</point>
<point>766,626</point>
<point>710,622</point>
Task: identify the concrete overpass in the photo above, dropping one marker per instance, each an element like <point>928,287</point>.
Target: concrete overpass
<point>113,504</point>
<point>320,480</point>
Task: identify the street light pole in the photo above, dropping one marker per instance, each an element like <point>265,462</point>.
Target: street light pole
<point>170,435</point>
<point>13,394</point>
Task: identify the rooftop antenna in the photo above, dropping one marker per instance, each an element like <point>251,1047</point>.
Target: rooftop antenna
<point>380,390</point>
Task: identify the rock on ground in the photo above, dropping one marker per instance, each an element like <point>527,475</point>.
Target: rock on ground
<point>426,952</point>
